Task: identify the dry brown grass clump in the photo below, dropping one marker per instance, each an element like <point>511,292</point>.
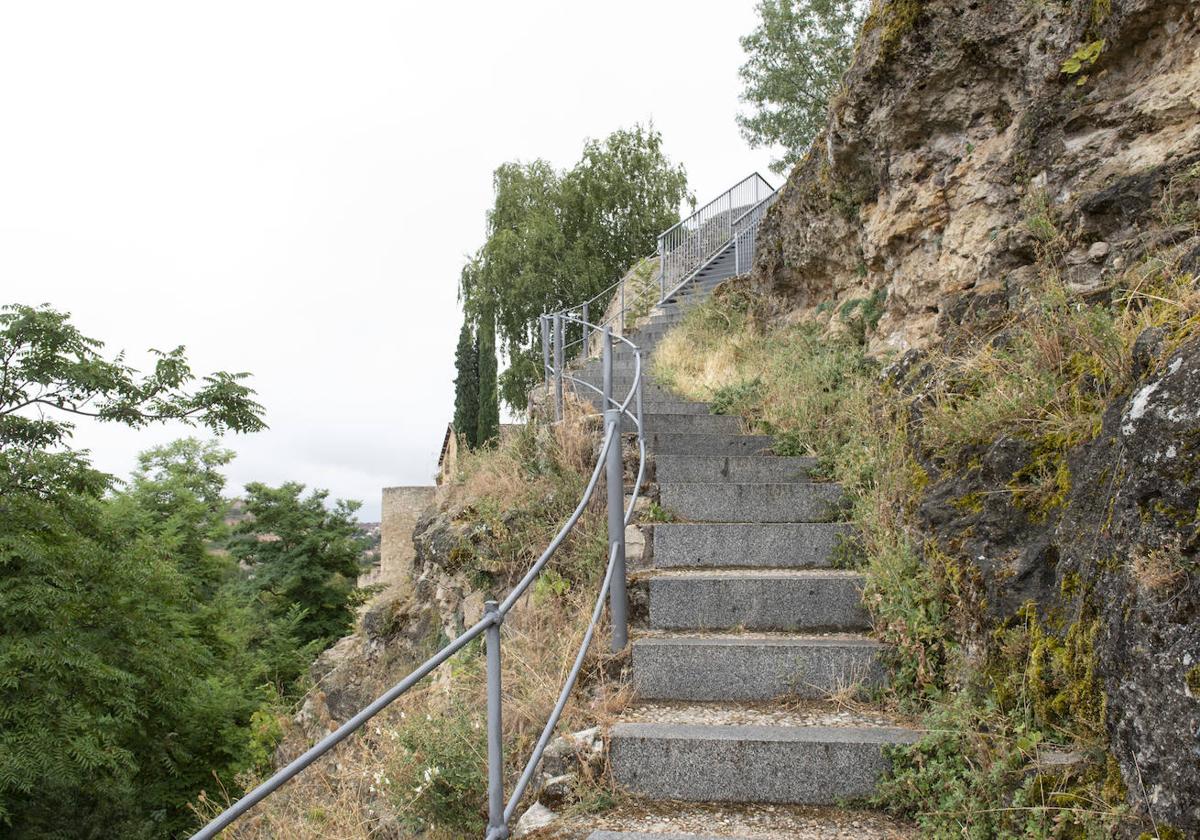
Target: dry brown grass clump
<point>420,765</point>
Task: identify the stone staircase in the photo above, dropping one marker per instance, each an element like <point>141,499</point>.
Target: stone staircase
<point>750,631</point>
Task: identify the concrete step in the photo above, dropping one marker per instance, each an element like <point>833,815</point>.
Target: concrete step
<point>748,666</point>
<point>650,392</point>
<point>620,381</point>
<point>679,754</point>
<point>693,444</point>
<point>713,424</point>
<point>658,405</point>
<point>648,835</point>
<point>786,545</point>
<point>734,469</point>
<point>713,502</point>
<point>638,818</point>
<point>778,599</point>
<point>674,407</point>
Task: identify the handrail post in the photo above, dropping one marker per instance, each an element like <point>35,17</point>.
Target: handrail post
<point>544,324</point>
<point>622,307</point>
<point>584,328</point>
<point>495,735</point>
<point>662,268</point>
<point>606,364</point>
<point>618,605</point>
<point>558,366</point>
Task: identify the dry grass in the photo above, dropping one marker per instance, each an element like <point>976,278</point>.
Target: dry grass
<point>420,764</point>
<point>1161,568</point>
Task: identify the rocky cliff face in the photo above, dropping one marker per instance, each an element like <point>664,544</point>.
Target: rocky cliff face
<point>963,129</point>
<point>958,120</point>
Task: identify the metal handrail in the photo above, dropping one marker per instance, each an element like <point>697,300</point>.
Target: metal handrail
<point>689,245</point>
<point>745,233</point>
<point>608,459</point>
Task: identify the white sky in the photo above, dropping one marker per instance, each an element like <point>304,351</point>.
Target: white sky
<point>290,188</point>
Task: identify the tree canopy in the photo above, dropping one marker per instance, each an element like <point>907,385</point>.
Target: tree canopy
<point>795,59</point>
<point>138,660</point>
<point>557,238</point>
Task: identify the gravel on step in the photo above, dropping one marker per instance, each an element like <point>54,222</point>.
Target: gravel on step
<point>746,822</point>
<point>811,713</point>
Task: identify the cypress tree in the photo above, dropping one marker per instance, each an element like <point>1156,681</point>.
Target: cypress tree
<point>466,385</point>
<point>489,401</point>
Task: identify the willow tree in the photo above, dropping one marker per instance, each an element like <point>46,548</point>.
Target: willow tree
<point>557,238</point>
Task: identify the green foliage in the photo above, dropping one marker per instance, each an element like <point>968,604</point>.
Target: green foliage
<point>727,398</point>
<point>657,513</point>
<point>1082,59</point>
<point>896,18</point>
<point>51,367</point>
<point>487,426</point>
<point>862,315</point>
<point>115,699</point>
<point>466,385</point>
<point>978,773</point>
<point>558,238</point>
<point>301,556</point>
<point>795,59</point>
<point>451,762</point>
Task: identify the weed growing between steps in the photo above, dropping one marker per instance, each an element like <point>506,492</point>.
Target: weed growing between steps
<point>1017,743</point>
<point>420,766</point>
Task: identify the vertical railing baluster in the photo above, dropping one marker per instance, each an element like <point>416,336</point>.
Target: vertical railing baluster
<point>584,328</point>
<point>606,367</point>
<point>558,366</point>
<point>544,324</point>
<point>618,604</point>
<point>495,733</point>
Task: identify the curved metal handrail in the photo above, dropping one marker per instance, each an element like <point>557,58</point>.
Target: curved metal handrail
<point>685,248</point>
<point>608,460</point>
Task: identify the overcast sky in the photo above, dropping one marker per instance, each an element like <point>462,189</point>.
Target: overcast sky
<point>290,188</point>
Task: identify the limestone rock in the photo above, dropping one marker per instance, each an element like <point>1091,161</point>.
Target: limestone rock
<point>537,816</point>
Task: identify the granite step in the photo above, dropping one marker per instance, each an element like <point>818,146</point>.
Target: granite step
<point>745,469</point>
<point>728,502</point>
<point>753,666</point>
<point>816,758</point>
<point>796,600</point>
<point>786,545</point>
<point>638,818</point>
<point>708,444</point>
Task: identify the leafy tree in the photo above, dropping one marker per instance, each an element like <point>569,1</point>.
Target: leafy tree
<point>557,238</point>
<point>795,61</point>
<point>177,492</point>
<point>466,385</point>
<point>617,199</point>
<point>107,717</point>
<point>489,401</point>
<point>302,556</point>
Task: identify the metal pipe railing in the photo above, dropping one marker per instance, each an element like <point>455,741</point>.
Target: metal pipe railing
<point>745,233</point>
<point>688,246</point>
<point>609,461</point>
<point>683,249</point>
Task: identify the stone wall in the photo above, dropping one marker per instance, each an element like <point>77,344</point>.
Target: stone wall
<point>402,507</point>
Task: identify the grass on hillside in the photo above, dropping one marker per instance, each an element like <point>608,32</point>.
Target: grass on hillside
<point>1046,377</point>
<point>420,766</point>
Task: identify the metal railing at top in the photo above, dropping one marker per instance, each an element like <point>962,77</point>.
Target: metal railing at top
<point>609,460</point>
<point>686,247</point>
<point>745,233</point>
